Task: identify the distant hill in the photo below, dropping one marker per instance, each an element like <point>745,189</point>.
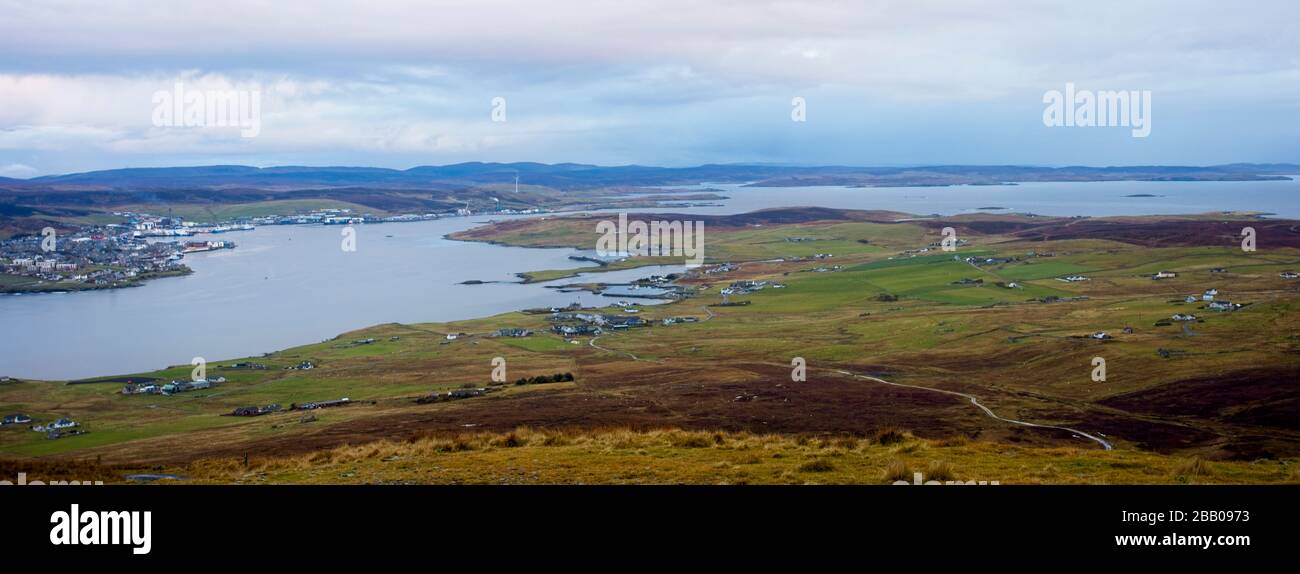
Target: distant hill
<point>31,204</point>
<point>583,176</point>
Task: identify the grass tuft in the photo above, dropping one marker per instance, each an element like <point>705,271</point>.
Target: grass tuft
<point>817,465</point>
<point>897,470</point>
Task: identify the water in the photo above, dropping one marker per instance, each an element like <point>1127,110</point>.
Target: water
<point>1096,199</point>
<point>292,285</point>
<point>282,286</point>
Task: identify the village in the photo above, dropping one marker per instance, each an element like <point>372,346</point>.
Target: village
<point>125,254</point>
<point>93,258</point>
<point>56,429</point>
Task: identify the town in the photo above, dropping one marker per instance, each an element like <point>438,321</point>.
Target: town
<point>125,254</point>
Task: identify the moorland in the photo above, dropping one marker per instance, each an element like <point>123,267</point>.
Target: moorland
<point>973,364</point>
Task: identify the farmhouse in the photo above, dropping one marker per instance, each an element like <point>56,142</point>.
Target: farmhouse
<point>16,419</point>
<point>181,386</point>
<point>576,330</point>
<point>621,322</point>
<point>57,425</point>
<point>1164,275</point>
<point>320,404</point>
<point>675,320</point>
<point>466,393</point>
<point>1072,278</point>
<point>1183,317</point>
<point>255,411</point>
<point>1223,306</point>
<point>746,287</point>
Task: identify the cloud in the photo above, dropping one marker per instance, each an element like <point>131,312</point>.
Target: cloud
<point>396,82</point>
<point>17,170</point>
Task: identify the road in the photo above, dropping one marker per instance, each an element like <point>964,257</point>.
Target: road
<point>975,401</point>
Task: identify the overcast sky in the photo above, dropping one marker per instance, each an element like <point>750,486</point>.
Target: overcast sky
<point>656,82</point>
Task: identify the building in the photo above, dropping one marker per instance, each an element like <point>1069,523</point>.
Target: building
<point>1223,306</point>
<point>466,393</point>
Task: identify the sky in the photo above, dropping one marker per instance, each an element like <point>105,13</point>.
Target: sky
<point>654,82</point>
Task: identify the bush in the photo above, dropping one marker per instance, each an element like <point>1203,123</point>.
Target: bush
<point>544,379</point>
<point>888,436</point>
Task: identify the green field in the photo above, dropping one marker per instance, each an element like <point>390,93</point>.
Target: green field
<point>1023,358</point>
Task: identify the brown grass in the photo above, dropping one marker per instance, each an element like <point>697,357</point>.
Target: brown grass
<point>897,470</point>
<point>1193,467</point>
<point>817,465</point>
<point>675,456</point>
<point>939,470</point>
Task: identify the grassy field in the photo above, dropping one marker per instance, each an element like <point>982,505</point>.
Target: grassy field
<point>1210,401</point>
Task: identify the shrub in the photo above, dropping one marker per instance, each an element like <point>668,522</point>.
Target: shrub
<point>888,436</point>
